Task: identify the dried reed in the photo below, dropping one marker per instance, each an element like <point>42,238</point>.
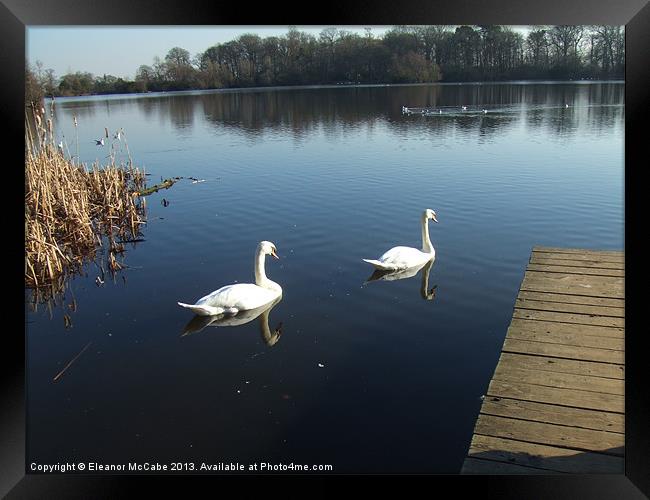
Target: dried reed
<point>70,209</point>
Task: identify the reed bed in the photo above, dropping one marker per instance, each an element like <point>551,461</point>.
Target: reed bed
<point>72,210</point>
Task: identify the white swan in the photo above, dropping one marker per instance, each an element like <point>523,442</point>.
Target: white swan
<point>404,257</point>
<point>231,299</point>
<point>198,323</point>
<point>379,275</point>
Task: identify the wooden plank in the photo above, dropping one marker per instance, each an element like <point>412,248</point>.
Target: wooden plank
<point>554,414</point>
<point>610,443</point>
<point>568,339</point>
<point>477,466</point>
<point>559,365</point>
<point>620,259</point>
<point>579,254</point>
<point>555,328</point>
<point>557,396</point>
<point>580,280</point>
<point>553,458</point>
<point>575,260</point>
<point>576,270</point>
<point>540,305</point>
<point>566,352</point>
<point>560,380</point>
<point>536,258</point>
<point>579,319</point>
<point>580,251</point>
<point>558,283</point>
<point>571,299</point>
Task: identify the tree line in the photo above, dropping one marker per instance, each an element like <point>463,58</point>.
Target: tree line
<point>404,54</point>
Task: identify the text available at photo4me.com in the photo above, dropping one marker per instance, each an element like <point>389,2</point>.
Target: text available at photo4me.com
<point>228,467</point>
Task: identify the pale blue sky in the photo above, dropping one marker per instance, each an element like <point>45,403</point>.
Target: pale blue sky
<point>120,50</point>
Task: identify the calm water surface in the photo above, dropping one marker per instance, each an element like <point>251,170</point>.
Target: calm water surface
<point>367,377</point>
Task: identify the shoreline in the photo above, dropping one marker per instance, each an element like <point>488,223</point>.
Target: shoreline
<point>273,88</point>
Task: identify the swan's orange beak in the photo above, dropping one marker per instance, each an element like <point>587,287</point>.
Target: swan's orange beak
<point>434,218</point>
<point>274,255</point>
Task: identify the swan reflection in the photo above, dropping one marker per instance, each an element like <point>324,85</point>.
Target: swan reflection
<point>425,292</point>
<point>270,337</point>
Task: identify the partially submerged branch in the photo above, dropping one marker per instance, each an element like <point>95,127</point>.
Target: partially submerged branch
<point>166,184</point>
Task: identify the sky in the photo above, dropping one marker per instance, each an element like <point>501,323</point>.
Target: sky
<point>121,50</point>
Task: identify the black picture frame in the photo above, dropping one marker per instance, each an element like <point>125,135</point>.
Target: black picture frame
<point>15,15</point>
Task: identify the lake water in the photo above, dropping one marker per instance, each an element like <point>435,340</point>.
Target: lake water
<point>366,377</point>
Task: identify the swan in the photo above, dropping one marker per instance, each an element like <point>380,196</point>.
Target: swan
<point>405,257</point>
<point>231,299</point>
<point>379,275</point>
<point>198,323</point>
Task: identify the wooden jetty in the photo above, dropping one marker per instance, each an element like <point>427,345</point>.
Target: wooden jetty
<point>555,403</point>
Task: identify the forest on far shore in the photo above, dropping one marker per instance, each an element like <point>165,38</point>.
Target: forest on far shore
<point>404,54</point>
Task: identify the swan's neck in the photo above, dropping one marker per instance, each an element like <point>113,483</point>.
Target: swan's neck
<point>427,247</point>
<point>260,274</point>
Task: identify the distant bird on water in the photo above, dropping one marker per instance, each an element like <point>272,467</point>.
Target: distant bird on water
<point>485,111</point>
<point>99,142</point>
<point>464,108</point>
<point>566,105</point>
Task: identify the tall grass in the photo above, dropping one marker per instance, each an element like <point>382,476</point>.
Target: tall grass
<point>71,209</point>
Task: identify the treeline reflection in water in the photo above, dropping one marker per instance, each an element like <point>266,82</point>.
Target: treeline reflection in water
<point>304,110</point>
